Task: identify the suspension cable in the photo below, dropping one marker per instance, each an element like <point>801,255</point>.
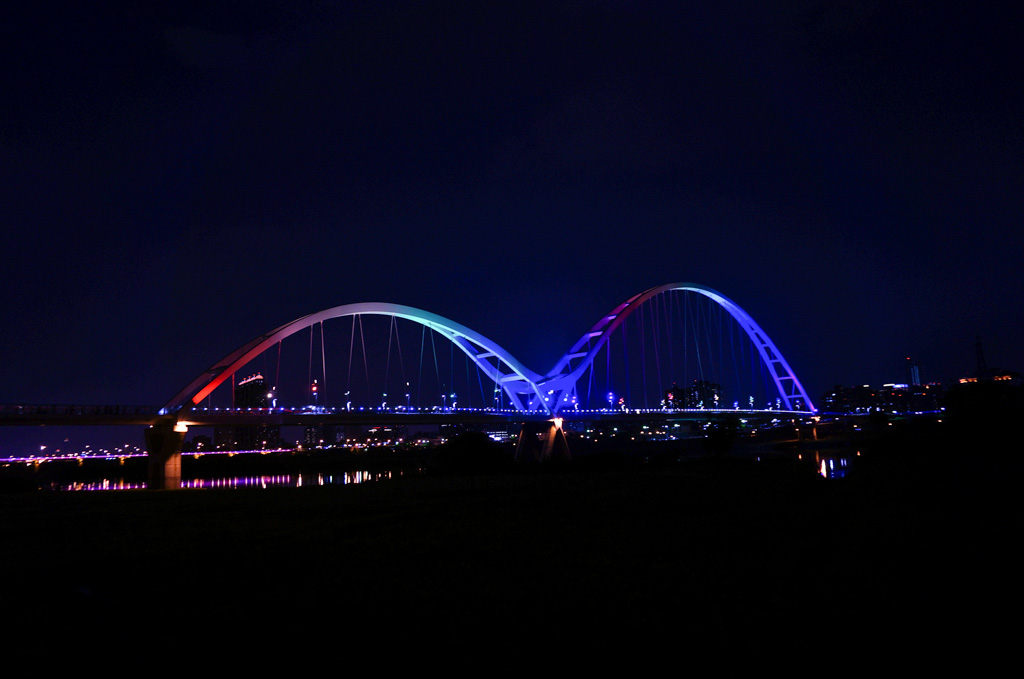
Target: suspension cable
<point>398,343</point>
<point>387,362</point>
<point>643,357</point>
<point>351,350</point>
<point>696,343</point>
<point>366,364</point>
<point>419,378</point>
<point>277,375</point>
<point>657,344</point>
<point>323,362</point>
<point>433,347</point>
<point>625,353</point>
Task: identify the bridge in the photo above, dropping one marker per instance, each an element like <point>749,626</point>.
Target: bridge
<point>630,363</point>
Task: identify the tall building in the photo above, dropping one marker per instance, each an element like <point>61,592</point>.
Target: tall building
<point>914,372</point>
<point>252,392</point>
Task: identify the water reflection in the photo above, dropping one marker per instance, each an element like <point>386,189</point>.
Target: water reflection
<point>832,468</point>
<point>104,484</point>
<point>831,465</point>
<point>262,481</point>
<point>291,480</point>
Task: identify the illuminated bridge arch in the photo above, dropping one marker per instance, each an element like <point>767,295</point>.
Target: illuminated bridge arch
<point>526,389</point>
<point>560,382</point>
<point>500,366</point>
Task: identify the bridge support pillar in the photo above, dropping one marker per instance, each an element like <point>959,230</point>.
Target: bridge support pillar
<point>542,442</point>
<point>163,444</point>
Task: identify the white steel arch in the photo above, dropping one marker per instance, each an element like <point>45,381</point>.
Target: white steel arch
<point>493,361</point>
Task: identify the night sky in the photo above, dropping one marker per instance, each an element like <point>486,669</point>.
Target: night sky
<point>178,179</point>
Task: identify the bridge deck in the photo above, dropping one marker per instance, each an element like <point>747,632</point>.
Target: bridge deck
<point>76,415</point>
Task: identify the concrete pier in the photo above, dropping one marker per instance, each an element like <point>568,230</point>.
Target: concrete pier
<point>163,444</point>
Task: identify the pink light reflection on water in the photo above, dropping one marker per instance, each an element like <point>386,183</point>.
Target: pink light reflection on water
<point>262,481</point>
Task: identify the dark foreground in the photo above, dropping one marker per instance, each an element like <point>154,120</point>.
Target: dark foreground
<point>707,554</point>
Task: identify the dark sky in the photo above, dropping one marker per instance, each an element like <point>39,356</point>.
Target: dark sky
<point>178,179</point>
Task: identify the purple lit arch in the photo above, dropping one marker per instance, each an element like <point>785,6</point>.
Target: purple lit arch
<point>559,385</point>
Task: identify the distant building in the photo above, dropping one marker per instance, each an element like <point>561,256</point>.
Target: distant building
<point>914,372</point>
<point>982,373</point>
<point>1008,376</point>
<point>224,438</point>
<point>857,399</point>
<point>251,392</point>
<point>321,435</point>
<point>890,398</point>
<point>702,394</point>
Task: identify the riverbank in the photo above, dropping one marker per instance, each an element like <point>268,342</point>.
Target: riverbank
<point>704,552</point>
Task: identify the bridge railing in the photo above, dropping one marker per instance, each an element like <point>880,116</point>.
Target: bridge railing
<point>509,412</point>
<point>14,411</point>
<point>64,410</point>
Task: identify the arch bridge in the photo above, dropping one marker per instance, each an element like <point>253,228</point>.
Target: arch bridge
<point>642,325</point>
